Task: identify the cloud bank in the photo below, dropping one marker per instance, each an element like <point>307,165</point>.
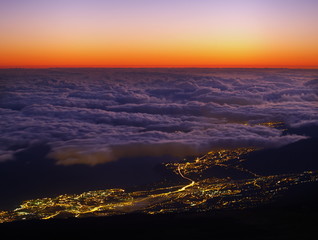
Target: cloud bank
<point>94,116</point>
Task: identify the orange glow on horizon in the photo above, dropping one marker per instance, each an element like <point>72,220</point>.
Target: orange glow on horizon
<point>159,66</point>
<point>192,52</point>
<point>220,56</point>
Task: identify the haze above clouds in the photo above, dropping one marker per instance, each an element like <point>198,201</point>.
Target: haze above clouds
<point>93,116</point>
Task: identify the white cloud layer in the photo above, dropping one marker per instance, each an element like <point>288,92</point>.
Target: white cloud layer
<point>93,116</point>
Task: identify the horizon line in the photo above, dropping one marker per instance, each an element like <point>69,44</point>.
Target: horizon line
<point>161,66</point>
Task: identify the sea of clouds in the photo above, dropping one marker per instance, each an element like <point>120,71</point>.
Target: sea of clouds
<point>93,116</point>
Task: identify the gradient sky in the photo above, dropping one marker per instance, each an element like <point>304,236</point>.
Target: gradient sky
<point>166,32</point>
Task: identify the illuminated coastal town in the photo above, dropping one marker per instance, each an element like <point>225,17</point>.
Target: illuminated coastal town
<point>194,192</point>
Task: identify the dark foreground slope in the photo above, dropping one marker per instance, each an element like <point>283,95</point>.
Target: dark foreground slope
<point>278,223</point>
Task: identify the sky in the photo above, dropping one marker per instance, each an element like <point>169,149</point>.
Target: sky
<point>225,33</point>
